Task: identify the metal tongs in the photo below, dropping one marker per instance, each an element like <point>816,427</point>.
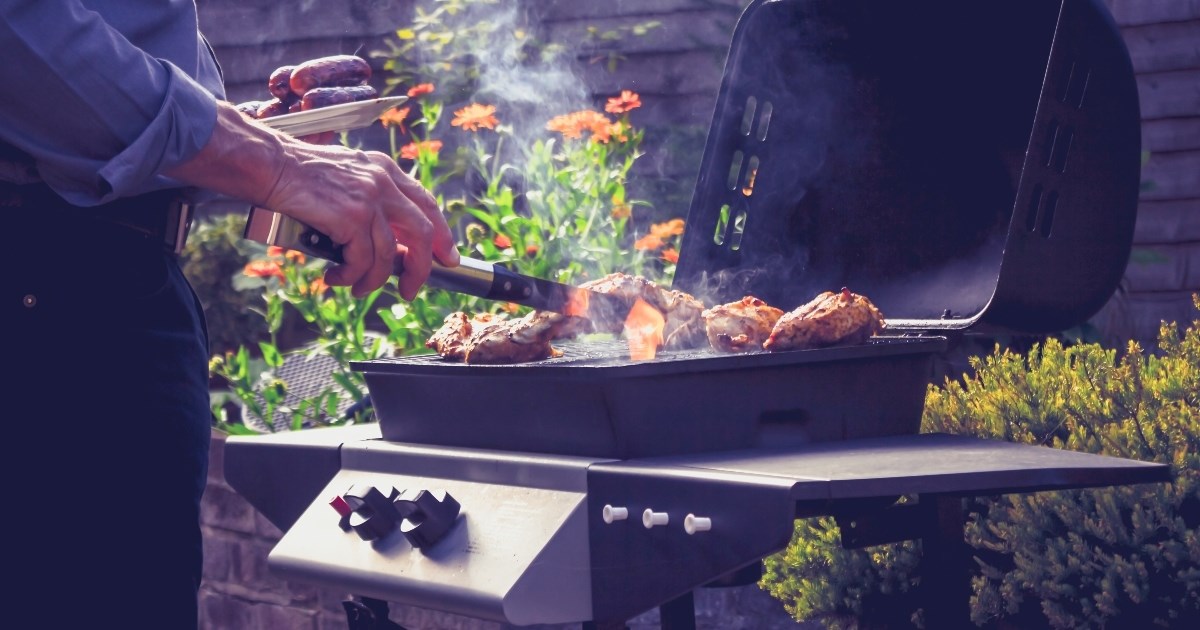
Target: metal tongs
<point>475,277</point>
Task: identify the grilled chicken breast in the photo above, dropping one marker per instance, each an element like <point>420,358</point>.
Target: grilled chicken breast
<point>830,318</point>
<point>740,326</point>
<point>451,339</point>
<point>684,324</point>
<point>488,338</point>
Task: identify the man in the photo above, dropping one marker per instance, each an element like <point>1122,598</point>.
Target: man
<point>110,110</point>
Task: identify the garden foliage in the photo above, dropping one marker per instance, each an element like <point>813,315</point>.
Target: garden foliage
<point>1123,557</point>
<point>545,196</point>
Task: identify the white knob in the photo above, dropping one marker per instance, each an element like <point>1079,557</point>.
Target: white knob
<point>693,523</point>
<point>611,514</point>
<point>650,518</point>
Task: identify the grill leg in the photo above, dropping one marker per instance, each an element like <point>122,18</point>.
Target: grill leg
<point>595,625</point>
<point>679,613</point>
<point>945,565</point>
<point>368,614</point>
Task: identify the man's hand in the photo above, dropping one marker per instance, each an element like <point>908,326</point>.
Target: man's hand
<point>360,199</point>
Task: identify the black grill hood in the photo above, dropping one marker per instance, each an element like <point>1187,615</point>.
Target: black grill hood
<point>956,162</point>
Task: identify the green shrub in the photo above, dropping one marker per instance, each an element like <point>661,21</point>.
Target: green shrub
<point>216,252</point>
<point>1123,557</point>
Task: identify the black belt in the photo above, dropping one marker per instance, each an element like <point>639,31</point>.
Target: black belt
<point>161,218</point>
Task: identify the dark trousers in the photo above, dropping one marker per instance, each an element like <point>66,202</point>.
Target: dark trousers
<point>106,426</point>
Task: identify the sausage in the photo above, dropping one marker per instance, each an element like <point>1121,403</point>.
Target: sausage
<point>332,71</point>
<point>326,96</point>
<point>273,107</point>
<point>279,85</point>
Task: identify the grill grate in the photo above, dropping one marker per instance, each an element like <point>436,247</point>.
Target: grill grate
<point>585,357</point>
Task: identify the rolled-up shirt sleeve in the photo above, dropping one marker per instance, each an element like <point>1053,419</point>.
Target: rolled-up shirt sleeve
<point>101,117</point>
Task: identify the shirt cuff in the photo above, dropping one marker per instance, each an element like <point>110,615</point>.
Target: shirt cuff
<point>182,127</point>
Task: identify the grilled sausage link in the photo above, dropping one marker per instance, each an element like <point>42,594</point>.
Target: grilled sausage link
<point>332,71</point>
<point>279,84</point>
<point>326,96</point>
<point>273,107</point>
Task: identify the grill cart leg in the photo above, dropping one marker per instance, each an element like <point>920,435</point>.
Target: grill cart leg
<point>679,613</point>
<point>945,565</point>
<point>368,614</point>
<point>596,625</point>
<point>937,520</point>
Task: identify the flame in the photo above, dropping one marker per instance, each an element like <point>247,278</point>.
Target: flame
<point>577,304</point>
<point>644,330</point>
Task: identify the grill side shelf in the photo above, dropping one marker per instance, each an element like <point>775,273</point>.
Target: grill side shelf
<point>748,500</point>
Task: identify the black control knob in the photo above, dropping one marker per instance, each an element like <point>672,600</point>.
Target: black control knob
<point>373,515</point>
<point>429,514</point>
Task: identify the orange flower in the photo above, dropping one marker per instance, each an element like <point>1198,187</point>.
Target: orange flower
<point>395,116</point>
<point>626,102</point>
<point>316,287</point>
<point>294,256</point>
<point>531,250</point>
<point>670,255</point>
<point>648,242</point>
<point>622,211</point>
<point>510,307</point>
<point>565,124</point>
<point>502,241</point>
<point>263,269</point>
<point>574,124</point>
<point>412,150</point>
<point>420,89</point>
<point>274,251</point>
<point>674,227</point>
<point>474,116</point>
<point>620,131</point>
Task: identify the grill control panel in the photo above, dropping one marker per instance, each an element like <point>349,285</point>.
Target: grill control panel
<point>472,537</point>
<point>423,516</point>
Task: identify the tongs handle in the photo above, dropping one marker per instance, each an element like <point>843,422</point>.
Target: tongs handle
<point>471,277</point>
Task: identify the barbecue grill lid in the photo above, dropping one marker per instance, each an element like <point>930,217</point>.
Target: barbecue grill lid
<point>954,161</point>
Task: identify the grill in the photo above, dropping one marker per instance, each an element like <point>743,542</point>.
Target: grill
<point>965,165</point>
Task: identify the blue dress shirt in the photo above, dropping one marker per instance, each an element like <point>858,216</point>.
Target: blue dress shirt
<point>99,97</point>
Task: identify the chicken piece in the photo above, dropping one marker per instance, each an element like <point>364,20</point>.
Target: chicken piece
<point>740,326</point>
<point>517,341</point>
<point>684,325</point>
<point>451,339</point>
<point>487,338</point>
<point>830,318</point>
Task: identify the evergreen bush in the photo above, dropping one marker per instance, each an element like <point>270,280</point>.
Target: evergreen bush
<point>1122,557</point>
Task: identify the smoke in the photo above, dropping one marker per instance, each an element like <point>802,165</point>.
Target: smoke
<point>513,67</point>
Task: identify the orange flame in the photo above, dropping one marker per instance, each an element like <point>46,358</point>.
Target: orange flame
<point>577,304</point>
<point>644,330</point>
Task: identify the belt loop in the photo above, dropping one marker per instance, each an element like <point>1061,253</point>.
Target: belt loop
<point>179,223</point>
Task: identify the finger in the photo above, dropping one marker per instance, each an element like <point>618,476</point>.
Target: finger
<point>384,250</point>
<point>417,265</point>
<point>443,244</point>
<point>413,241</point>
<point>357,259</point>
<point>413,233</point>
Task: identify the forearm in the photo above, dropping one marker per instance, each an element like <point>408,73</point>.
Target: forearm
<point>360,199</point>
<point>242,159</point>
